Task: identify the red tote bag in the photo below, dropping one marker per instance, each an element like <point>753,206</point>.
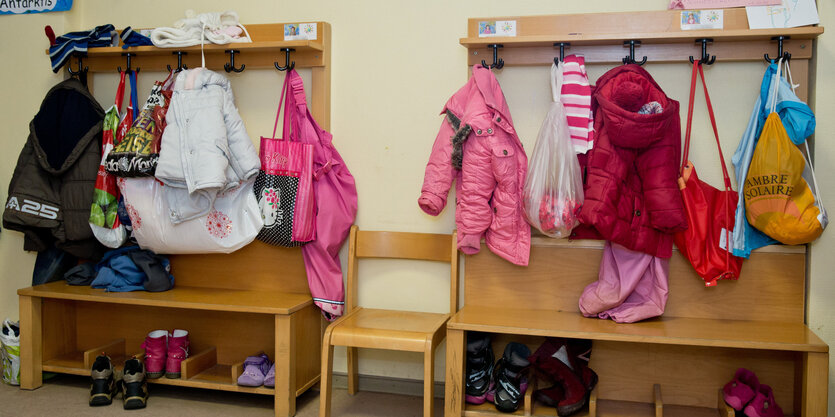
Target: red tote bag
<point>710,211</point>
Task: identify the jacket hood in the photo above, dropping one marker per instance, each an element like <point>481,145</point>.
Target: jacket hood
<point>620,94</point>
<point>195,79</point>
<point>69,118</point>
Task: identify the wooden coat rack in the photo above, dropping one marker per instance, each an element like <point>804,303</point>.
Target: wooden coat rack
<point>705,333</point>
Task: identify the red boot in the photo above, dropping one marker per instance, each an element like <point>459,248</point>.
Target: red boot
<point>177,352</point>
<point>547,361</point>
<point>156,347</point>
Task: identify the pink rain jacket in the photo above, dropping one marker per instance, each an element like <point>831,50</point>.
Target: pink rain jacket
<point>478,147</point>
<point>336,205</point>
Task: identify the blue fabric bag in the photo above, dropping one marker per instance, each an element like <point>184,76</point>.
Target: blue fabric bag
<point>799,121</point>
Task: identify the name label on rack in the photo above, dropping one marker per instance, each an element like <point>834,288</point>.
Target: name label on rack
<point>491,28</point>
<point>702,19</point>
<point>300,31</point>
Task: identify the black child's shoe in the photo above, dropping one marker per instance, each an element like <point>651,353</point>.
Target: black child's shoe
<point>510,378</point>
<point>134,387</point>
<point>103,388</point>
<point>479,367</point>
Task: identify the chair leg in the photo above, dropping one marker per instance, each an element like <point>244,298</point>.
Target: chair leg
<point>353,370</point>
<point>428,379</point>
<point>325,379</point>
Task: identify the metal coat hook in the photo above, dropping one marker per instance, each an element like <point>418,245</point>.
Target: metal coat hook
<point>630,59</point>
<point>497,63</point>
<point>81,71</point>
<point>180,65</point>
<point>230,66</point>
<point>287,64</point>
<point>706,59</point>
<point>562,46</point>
<point>785,55</point>
<point>128,70</point>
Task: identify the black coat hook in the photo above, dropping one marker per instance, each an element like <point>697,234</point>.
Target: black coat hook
<point>81,71</point>
<point>128,70</point>
<point>630,59</point>
<point>230,66</point>
<point>497,63</point>
<point>180,65</point>
<point>562,46</point>
<point>785,55</point>
<point>706,58</point>
<point>287,64</point>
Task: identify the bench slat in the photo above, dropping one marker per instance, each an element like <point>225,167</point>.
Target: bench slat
<point>245,301</point>
<point>665,330</point>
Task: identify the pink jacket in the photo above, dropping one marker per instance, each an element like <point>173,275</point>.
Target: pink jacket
<point>478,147</point>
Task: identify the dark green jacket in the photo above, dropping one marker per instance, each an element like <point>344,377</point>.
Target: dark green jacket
<point>52,187</point>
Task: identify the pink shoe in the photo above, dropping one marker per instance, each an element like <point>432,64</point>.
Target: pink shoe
<point>763,404</point>
<point>177,352</point>
<point>742,389</point>
<point>156,346</point>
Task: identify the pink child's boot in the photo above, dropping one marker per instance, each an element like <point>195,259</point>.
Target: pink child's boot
<point>156,346</point>
<point>177,352</point>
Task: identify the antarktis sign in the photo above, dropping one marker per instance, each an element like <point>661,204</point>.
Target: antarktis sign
<point>34,6</point>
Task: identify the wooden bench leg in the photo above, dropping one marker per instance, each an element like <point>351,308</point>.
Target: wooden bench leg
<point>31,342</point>
<point>454,403</point>
<point>815,383</point>
<point>326,376</point>
<point>285,365</point>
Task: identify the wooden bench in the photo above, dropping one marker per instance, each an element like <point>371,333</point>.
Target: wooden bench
<point>686,356</point>
<point>254,300</point>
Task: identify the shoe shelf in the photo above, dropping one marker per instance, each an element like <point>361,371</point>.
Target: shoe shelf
<point>605,408</point>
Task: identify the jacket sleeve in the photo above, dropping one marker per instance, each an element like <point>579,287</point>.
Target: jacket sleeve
<point>242,156</point>
<point>477,185</point>
<point>439,173</point>
<point>662,197</point>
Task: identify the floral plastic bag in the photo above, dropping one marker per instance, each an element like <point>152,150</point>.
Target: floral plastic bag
<point>554,185</point>
<point>10,351</point>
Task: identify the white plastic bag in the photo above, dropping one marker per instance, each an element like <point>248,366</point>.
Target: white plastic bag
<point>10,352</point>
<point>554,186</point>
<point>231,224</point>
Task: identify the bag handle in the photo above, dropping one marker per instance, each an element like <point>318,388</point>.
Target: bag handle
<point>556,81</point>
<point>134,99</point>
<point>698,70</point>
<point>283,101</point>
<point>120,92</point>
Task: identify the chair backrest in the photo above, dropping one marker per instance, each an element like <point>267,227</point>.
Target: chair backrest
<point>401,245</point>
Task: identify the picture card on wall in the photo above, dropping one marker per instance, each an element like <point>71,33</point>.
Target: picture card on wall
<point>719,4</point>
<point>702,19</point>
<point>790,14</point>
<point>300,31</point>
<point>491,28</point>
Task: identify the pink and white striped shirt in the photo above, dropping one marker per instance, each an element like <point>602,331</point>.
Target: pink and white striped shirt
<point>576,97</point>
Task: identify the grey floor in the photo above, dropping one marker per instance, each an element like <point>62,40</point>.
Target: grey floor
<point>66,395</point>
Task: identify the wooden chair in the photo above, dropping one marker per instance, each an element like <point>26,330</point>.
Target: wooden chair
<point>389,329</point>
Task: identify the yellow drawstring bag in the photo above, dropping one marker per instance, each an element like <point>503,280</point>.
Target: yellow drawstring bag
<point>778,199</point>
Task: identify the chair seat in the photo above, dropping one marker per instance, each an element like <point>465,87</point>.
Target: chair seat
<point>387,329</point>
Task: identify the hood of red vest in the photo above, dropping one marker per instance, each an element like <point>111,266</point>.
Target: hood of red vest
<point>618,96</point>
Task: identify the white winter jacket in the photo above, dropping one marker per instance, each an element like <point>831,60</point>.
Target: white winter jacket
<point>205,148</point>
